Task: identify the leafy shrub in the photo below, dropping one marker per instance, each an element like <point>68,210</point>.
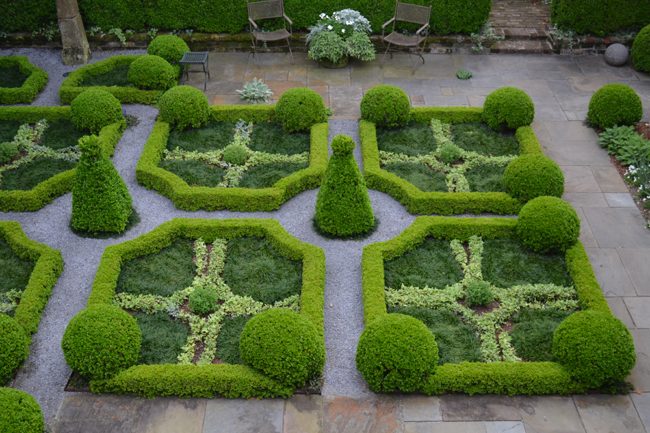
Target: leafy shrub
<point>255,91</point>
<point>548,224</point>
<point>595,348</point>
<point>343,205</point>
<point>479,293</point>
<point>152,73</point>
<point>396,352</point>
<point>464,75</point>
<point>21,413</point>
<point>386,106</point>
<point>94,109</point>
<point>184,106</point>
<point>100,341</point>
<point>169,47</point>
<point>533,175</point>
<point>14,347</point>
<point>614,104</point>
<point>641,50</point>
<point>284,345</point>
<point>8,150</point>
<point>101,202</point>
<point>450,153</point>
<point>235,154</point>
<point>599,18</point>
<point>203,301</point>
<point>300,108</point>
<point>508,106</point>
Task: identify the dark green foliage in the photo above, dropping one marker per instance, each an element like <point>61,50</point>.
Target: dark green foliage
<point>298,109</point>
<point>162,338</point>
<point>100,341</point>
<point>216,135</point>
<point>118,76</point>
<point>134,220</point>
<point>413,139</point>
<point>641,50</point>
<point>60,134</point>
<point>21,413</point>
<point>486,178</point>
<point>595,348</point>
<point>14,347</point>
<point>548,224</point>
<point>94,109</point>
<point>343,205</point>
<point>531,175</point>
<point>267,175</point>
<point>162,273</point>
<point>507,263</point>
<point>29,175</point>
<point>101,202</point>
<point>203,301</point>
<point>479,293</point>
<point>18,18</point>
<point>532,336</point>
<point>14,270</point>
<point>615,104</point>
<point>386,106</point>
<point>152,73</point>
<point>20,81</point>
<point>195,173</point>
<point>284,345</point>
<point>253,268</point>
<point>396,352</point>
<point>508,107</point>
<point>463,75</point>
<point>183,107</point>
<point>169,47</point>
<point>600,18</point>
<point>456,342</point>
<point>419,175</point>
<point>11,77</point>
<point>8,129</point>
<point>235,154</point>
<point>478,137</point>
<point>450,153</point>
<point>8,150</point>
<point>269,137</point>
<point>228,339</point>
<point>431,264</point>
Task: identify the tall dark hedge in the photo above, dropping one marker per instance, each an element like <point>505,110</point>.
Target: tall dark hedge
<point>26,15</point>
<point>601,17</point>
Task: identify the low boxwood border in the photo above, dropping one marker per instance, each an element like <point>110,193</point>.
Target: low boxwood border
<point>443,203</point>
<point>480,378</point>
<point>207,380</point>
<point>46,191</point>
<point>35,82</point>
<point>185,197</point>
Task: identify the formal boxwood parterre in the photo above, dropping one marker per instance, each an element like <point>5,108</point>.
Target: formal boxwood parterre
<point>198,156</point>
<point>219,256</point>
<point>25,83</point>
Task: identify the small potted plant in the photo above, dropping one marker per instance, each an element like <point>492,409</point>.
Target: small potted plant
<point>333,40</point>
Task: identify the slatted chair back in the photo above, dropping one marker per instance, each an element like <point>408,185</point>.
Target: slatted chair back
<point>412,13</point>
<point>265,9</point>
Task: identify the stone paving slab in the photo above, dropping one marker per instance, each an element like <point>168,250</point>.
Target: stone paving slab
<point>579,178</point>
<point>377,414</point>
<point>642,405</point>
<point>635,261</point>
<point>460,407</point>
<point>550,414</point>
<point>586,235</point>
<point>638,308</point>
<point>465,427</point>
<point>618,227</point>
<point>640,375</point>
<point>610,272</point>
<point>608,414</point>
<point>303,414</point>
<point>619,310</point>
<point>224,415</point>
<point>421,408</point>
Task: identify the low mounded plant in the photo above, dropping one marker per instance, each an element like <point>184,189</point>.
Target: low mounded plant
<point>449,153</point>
<point>532,175</point>
<point>235,154</point>
<point>19,412</point>
<point>615,104</point>
<point>152,73</point>
<point>508,107</point>
<point>386,106</point>
<point>94,109</point>
<point>464,75</point>
<point>396,352</point>
<point>479,293</point>
<point>298,109</point>
<point>255,92</point>
<point>8,150</point>
<point>169,47</point>
<point>641,50</point>
<point>548,224</point>
<point>343,34</point>
<point>14,347</point>
<point>184,107</point>
<point>203,301</point>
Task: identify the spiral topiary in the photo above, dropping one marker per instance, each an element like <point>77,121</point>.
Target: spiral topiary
<point>595,347</point>
<point>19,412</point>
<point>548,224</point>
<point>298,109</point>
<point>101,341</point>
<point>94,109</point>
<point>396,351</point>
<point>284,345</point>
<point>386,106</point>
<point>614,104</point>
<point>183,107</point>
<point>508,107</point>
<point>531,176</point>
<point>169,47</point>
<point>14,347</point>
<point>641,50</point>
<point>152,73</point>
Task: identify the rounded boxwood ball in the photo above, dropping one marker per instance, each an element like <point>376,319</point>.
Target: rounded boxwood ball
<point>530,176</point>
<point>183,107</point>
<point>615,104</point>
<point>95,108</point>
<point>396,352</point>
<point>298,109</point>
<point>152,73</point>
<point>595,348</point>
<point>169,47</point>
<point>508,106</point>
<point>284,345</point>
<point>548,224</point>
<point>101,341</point>
<point>641,50</point>
<point>19,412</point>
<point>14,347</point>
<point>386,106</point>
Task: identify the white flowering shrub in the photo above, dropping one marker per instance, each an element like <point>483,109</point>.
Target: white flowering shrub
<point>343,34</point>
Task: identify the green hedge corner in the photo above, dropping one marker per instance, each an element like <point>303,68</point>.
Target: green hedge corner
<point>35,82</point>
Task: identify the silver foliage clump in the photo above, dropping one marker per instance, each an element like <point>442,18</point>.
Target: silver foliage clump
<point>255,92</point>
<point>347,17</point>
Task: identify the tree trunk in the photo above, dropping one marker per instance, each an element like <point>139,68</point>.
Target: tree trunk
<point>73,35</point>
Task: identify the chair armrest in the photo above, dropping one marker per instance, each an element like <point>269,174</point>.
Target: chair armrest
<point>287,18</point>
<point>388,22</point>
<point>253,23</point>
<point>421,28</point>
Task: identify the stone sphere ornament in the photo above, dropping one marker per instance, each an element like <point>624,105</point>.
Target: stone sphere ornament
<point>616,55</point>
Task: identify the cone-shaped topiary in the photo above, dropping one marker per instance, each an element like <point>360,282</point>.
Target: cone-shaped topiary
<point>343,205</point>
<point>615,104</point>
<point>298,109</point>
<point>548,224</point>
<point>100,199</point>
<point>94,109</point>
<point>184,106</point>
<point>386,106</point>
<point>531,176</point>
<point>19,412</point>
<point>641,50</point>
<point>14,347</point>
<point>508,107</point>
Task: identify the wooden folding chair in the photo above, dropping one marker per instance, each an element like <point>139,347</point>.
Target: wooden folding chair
<point>409,13</point>
<point>264,10</point>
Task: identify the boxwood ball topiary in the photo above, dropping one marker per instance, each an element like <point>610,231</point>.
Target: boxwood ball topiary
<point>548,224</point>
<point>19,412</point>
<point>386,106</point>
<point>595,348</point>
<point>152,73</point>
<point>183,107</point>
<point>14,347</point>
<point>641,50</point>
<point>615,104</point>
<point>508,107</point>
<point>530,176</point>
<point>94,109</point>
<point>284,345</point>
<point>169,47</point>
<point>298,109</point>
<point>396,351</point>
<point>101,341</point>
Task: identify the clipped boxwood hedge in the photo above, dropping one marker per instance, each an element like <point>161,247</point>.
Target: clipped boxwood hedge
<point>231,381</point>
<point>46,191</point>
<point>599,17</point>
<point>25,94</point>
<point>185,197</point>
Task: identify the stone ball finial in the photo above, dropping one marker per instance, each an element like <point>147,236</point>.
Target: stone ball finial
<point>616,54</point>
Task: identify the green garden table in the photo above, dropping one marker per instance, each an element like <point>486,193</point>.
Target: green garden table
<point>197,58</point>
